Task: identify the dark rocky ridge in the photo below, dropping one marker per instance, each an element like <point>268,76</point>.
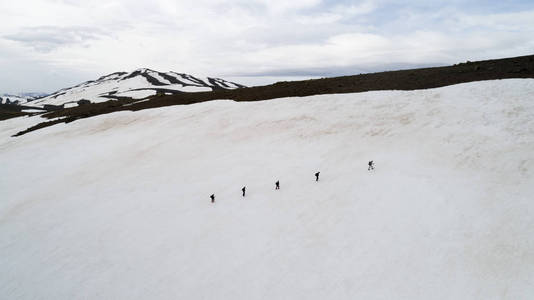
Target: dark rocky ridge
<point>517,67</point>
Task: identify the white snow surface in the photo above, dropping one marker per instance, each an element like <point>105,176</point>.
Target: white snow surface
<point>137,94</point>
<point>117,206</point>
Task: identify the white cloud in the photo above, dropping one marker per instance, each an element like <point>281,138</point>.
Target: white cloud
<point>357,9</point>
<point>48,38</point>
<point>260,37</point>
<point>516,22</point>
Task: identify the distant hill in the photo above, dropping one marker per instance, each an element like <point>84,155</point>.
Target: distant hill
<point>138,84</point>
<point>20,99</point>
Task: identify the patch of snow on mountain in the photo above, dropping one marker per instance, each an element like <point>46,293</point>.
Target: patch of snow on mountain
<point>118,206</point>
<point>137,94</point>
<point>160,78</point>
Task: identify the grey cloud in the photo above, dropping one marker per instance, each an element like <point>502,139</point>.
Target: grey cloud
<point>23,73</point>
<point>48,38</point>
<point>337,71</point>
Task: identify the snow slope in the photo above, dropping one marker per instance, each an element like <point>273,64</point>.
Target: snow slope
<point>138,84</point>
<point>117,206</point>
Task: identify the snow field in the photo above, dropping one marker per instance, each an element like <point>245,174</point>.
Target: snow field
<point>117,206</point>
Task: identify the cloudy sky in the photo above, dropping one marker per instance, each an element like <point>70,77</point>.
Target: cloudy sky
<point>46,45</point>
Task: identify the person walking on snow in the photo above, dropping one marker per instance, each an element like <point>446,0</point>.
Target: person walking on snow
<point>317,176</point>
<point>277,183</point>
<point>212,198</point>
<point>371,166</point>
<point>243,189</point>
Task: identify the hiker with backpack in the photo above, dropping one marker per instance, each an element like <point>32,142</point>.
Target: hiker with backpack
<point>317,176</point>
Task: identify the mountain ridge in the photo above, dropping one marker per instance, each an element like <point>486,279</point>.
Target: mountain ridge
<point>411,79</point>
<point>138,84</point>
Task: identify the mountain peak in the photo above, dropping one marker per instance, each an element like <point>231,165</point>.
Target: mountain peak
<point>143,70</point>
<point>138,84</point>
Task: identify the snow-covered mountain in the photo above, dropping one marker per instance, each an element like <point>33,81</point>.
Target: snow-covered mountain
<point>138,84</point>
<point>117,206</point>
<point>12,99</point>
<point>20,99</point>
